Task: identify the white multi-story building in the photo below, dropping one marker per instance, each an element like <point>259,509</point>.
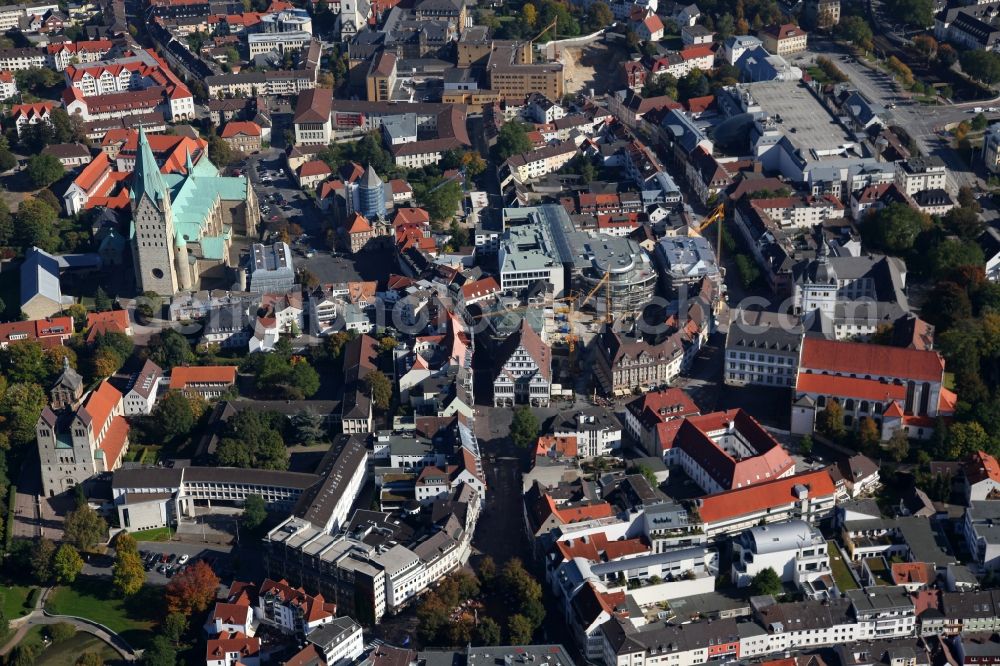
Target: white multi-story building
<point>921,173</point>
<point>278,42</point>
<point>795,550</point>
<point>537,163</point>
<point>525,369</point>
<point>991,148</point>
<point>142,390</point>
<point>597,432</point>
<point>883,612</point>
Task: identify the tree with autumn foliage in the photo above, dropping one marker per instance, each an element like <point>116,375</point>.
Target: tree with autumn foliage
<point>128,574</point>
<point>193,590</point>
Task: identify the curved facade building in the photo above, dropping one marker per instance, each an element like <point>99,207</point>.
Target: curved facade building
<point>371,195</point>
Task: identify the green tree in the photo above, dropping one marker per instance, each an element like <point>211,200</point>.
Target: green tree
<point>766,582</point>
<point>67,564</point>
<point>42,554</point>
<point>233,453</point>
<point>24,654</point>
<point>459,235</point>
<point>519,630</point>
<point>894,228</point>
<point>379,388</point>
<point>36,225</point>
<point>487,632</point>
<point>61,631</point>
<point>512,140</point>
<point>857,31</point>
<point>946,57</point>
<point>20,406</point>
<point>254,512</point>
<point>965,222</point>
<point>170,349</point>
<point>806,446</point>
<point>439,198</point>
<point>101,301</point>
<point>980,122</point>
<point>693,84</point>
<point>647,472</point>
<point>487,570</point>
<point>43,170</point>
<point>918,13</point>
<point>524,427</point>
<point>898,445</point>
<point>599,16</point>
<point>662,85</point>
<point>307,426</point>
<point>174,626</point>
<point>25,363</point>
<point>747,268</point>
<point>173,416</point>
<point>84,528</point>
<point>160,653</point>
<point>965,439</point>
<point>981,65</point>
<point>7,160</point>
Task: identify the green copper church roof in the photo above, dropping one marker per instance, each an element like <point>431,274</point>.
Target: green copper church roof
<point>146,177</point>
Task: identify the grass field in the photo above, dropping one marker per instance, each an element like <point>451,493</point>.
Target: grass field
<point>67,652</point>
<point>156,534</point>
<point>14,598</point>
<point>92,598</point>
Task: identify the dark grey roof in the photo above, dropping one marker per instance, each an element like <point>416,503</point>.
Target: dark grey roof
<point>338,465</point>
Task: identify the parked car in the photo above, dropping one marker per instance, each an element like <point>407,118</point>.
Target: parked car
<point>183,558</point>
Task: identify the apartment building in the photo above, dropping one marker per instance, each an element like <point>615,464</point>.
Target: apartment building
<point>143,387</point>
<point>795,550</point>
<point>535,164</point>
<point>921,173</point>
<point>514,77</point>
<point>26,115</point>
<point>17,59</point>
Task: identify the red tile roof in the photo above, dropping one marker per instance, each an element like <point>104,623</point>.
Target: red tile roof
<point>660,406</point>
<point>101,403</point>
<point>180,377</point>
<point>982,466</point>
<point>911,572</point>
<point>29,110</point>
<point>849,387</point>
<point>236,127</point>
<point>479,288</point>
<point>358,225</point>
<point>314,168</point>
<point>49,332</point>
<point>560,447</point>
<point>114,441</point>
<point>861,359</point>
<point>218,648</point>
<point>100,323</point>
<point>761,496</point>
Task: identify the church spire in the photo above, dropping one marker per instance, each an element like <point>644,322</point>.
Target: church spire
<point>146,177</point>
<point>188,163</point>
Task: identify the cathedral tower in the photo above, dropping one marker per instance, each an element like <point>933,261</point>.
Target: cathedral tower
<point>153,241</point>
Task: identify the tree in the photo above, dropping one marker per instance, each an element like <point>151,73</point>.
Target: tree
<point>965,439</point>
<point>174,626</point>
<point>233,453</point>
<point>487,632</point>
<point>647,472</point>
<point>36,225</point>
<point>519,630</point>
<point>918,13</point>
<point>830,421</point>
<point>20,406</point>
<point>170,349</point>
<point>67,564</point>
<point>459,234</point>
<point>84,528</point>
<point>160,653</point>
<point>307,426</point>
<point>192,590</point>
<point>806,446</point>
<point>7,160</point>
<point>693,84</point>
<point>529,14</point>
<point>524,427</point>
<point>894,228</point>
<point>898,445</point>
<point>25,363</point>
<point>61,631</point>
<point>964,222</point>
<point>254,512</point>
<point>766,582</point>
<point>947,56</point>
<point>599,16</point>
<point>926,44</point>
<point>512,140</point>
<point>43,170</point>
<point>24,654</point>
<point>747,268</point>
<point>868,434</point>
<point>981,65</point>
<point>379,388</point>
<point>174,415</point>
<point>128,574</point>
<point>979,122</point>
<point>487,570</point>
<point>219,152</point>
<point>101,301</point>
<point>42,555</point>
<point>661,85</point>
<point>439,198</point>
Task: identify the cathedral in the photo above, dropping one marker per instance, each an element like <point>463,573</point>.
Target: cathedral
<point>79,435</point>
<point>183,223</point>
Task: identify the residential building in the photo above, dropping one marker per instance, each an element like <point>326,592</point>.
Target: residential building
<point>822,14</point>
<point>795,550</point>
<point>783,39</point>
<point>140,396</point>
<point>921,173</point>
<point>243,136</point>
<point>41,295</point>
<point>360,359</point>
<point>980,530</point>
<point>687,261</point>
<point>26,115</point>
<point>981,476</point>
<point>596,431</point>
<point>270,269</point>
<point>291,610</point>
<point>49,332</point>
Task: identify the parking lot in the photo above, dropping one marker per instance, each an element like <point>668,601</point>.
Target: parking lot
<point>162,560</point>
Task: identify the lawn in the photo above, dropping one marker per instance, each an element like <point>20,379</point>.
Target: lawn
<point>155,534</point>
<point>14,598</point>
<point>93,599</point>
<point>841,574</point>
<point>67,651</point>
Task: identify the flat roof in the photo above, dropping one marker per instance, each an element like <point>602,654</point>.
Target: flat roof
<point>799,110</point>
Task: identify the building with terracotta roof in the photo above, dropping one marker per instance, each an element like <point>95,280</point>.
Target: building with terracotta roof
<point>312,119</point>
<point>358,232</point>
<point>898,388</point>
<point>727,450</point>
<point>49,332</point>
<point>783,39</point>
<point>290,609</point>
<point>113,321</point>
<point>232,649</point>
<point>650,28</point>
<point>210,381</point>
<point>312,173</point>
<point>79,436</point>
<point>981,473</point>
<point>244,136</point>
<point>810,496</point>
<point>645,413</point>
<point>26,115</point>
<point>64,54</point>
